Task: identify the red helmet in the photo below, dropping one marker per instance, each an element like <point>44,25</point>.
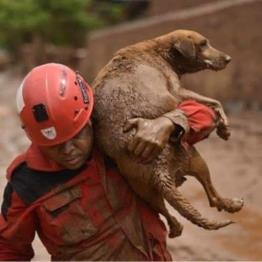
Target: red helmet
<point>54,104</point>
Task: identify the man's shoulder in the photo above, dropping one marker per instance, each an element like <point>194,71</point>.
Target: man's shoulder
<point>15,164</point>
<point>31,184</point>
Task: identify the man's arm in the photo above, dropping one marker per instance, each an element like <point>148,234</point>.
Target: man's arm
<point>153,134</point>
<point>17,228</point>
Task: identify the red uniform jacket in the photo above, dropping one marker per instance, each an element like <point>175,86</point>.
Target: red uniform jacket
<point>87,214</point>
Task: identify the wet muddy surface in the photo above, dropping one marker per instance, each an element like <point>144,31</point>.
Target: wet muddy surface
<point>235,166</point>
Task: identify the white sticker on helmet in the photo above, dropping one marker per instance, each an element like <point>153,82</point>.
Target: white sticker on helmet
<point>49,133</point>
<point>20,99</point>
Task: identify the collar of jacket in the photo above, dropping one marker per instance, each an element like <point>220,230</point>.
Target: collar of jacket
<point>35,160</point>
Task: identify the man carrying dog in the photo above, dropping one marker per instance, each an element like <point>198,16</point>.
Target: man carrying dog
<point>66,191</point>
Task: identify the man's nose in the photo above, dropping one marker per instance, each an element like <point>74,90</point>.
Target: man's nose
<point>68,147</point>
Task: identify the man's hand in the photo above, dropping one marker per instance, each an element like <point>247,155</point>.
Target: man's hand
<point>150,138</point>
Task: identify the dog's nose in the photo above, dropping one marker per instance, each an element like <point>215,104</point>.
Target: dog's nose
<point>228,58</point>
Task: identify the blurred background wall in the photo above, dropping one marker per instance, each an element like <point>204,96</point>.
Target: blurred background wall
<point>231,26</point>
<point>84,34</point>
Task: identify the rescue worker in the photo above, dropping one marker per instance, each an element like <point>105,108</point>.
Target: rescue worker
<point>62,187</point>
<point>65,190</point>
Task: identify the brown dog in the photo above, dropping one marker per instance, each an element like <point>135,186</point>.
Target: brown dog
<point>142,80</point>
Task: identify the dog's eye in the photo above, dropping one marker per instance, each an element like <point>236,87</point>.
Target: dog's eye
<point>203,44</point>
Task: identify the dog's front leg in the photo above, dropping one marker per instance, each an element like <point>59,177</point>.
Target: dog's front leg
<point>222,122</point>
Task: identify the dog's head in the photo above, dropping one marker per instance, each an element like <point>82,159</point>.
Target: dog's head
<point>190,52</point>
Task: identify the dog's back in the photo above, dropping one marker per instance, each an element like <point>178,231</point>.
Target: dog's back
<point>129,86</point>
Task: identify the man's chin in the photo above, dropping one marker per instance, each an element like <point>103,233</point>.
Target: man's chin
<point>72,166</point>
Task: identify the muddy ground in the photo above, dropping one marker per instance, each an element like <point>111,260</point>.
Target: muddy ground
<point>235,165</point>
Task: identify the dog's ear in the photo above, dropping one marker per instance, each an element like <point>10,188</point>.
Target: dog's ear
<point>186,47</point>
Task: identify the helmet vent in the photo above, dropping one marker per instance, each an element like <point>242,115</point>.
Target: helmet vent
<point>75,97</point>
<point>40,112</point>
<point>83,88</point>
<point>63,83</point>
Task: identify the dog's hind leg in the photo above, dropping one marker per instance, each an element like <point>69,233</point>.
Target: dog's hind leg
<point>183,206</point>
<point>158,204</point>
<point>139,178</point>
<point>198,168</point>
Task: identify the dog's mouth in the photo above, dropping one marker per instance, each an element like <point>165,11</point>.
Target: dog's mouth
<point>214,65</point>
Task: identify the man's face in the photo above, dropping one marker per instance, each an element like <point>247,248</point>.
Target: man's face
<point>73,153</point>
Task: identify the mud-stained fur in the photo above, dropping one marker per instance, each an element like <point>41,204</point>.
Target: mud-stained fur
<point>142,80</point>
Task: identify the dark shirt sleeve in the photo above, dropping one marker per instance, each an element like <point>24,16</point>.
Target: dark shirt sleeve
<point>17,228</point>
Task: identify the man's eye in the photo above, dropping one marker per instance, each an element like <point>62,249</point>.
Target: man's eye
<point>80,134</point>
<point>77,136</point>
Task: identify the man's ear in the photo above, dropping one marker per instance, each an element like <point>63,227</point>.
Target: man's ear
<point>185,47</point>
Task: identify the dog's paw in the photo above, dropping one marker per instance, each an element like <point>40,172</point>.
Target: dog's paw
<point>175,232</point>
<point>223,131</point>
<point>230,205</point>
<point>175,228</point>
<point>221,114</point>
